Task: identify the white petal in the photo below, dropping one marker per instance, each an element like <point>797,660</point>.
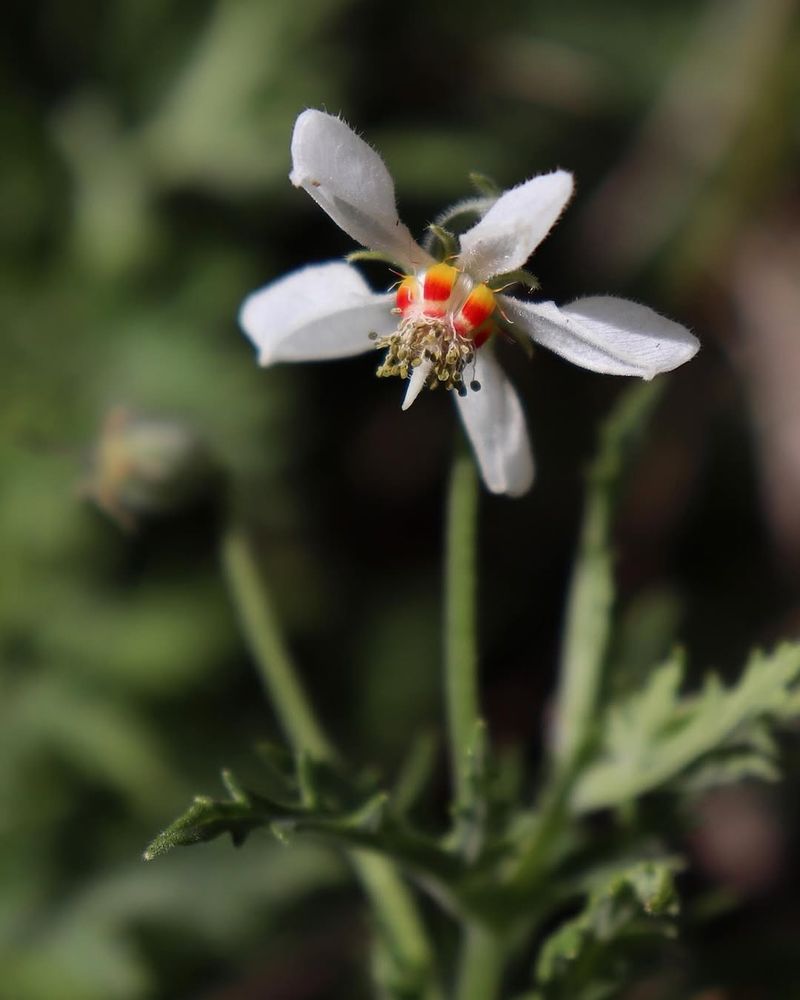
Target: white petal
<point>607,335</point>
<point>347,178</point>
<point>495,423</point>
<point>416,382</point>
<point>515,225</point>
<point>320,312</point>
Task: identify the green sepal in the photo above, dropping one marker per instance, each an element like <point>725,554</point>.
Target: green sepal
<point>484,185</point>
<point>517,277</point>
<point>374,255</point>
<point>442,243</point>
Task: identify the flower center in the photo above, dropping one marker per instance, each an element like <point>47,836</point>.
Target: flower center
<point>444,318</point>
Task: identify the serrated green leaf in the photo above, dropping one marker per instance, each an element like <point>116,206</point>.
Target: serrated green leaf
<point>654,885</point>
<point>589,950</point>
<point>369,825</point>
<point>205,820</point>
<point>729,770</point>
<point>655,736</point>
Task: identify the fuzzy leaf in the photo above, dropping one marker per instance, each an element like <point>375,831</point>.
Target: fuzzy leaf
<point>367,825</point>
<point>655,736</point>
<point>592,948</point>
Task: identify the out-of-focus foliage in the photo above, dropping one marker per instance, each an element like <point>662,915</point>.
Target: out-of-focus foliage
<point>655,736</point>
<point>143,191</point>
<point>632,906</point>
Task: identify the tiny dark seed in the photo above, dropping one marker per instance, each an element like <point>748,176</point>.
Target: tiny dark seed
<point>372,335</point>
<point>475,385</point>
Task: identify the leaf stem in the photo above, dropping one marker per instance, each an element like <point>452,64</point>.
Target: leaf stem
<point>398,920</point>
<point>262,632</point>
<point>391,900</point>
<point>481,972</point>
<point>461,655</point>
<point>591,595</point>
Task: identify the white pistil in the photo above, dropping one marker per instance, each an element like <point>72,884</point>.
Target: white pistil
<point>417,381</point>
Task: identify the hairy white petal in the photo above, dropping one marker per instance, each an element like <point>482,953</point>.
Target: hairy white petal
<point>319,312</point>
<point>515,225</point>
<point>495,423</point>
<point>347,178</point>
<point>605,334</point>
<point>416,382</point>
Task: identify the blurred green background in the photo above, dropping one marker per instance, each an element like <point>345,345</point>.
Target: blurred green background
<point>144,192</point>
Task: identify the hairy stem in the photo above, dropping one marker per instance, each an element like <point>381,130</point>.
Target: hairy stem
<point>391,900</point>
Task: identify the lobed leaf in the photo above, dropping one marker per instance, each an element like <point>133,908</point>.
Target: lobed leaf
<point>655,736</point>
<point>590,951</point>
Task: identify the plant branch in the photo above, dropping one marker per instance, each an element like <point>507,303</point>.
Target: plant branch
<point>260,626</point>
<point>391,900</point>
<point>481,973</point>
<point>591,595</point>
<point>461,656</point>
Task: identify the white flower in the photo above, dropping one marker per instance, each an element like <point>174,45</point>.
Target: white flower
<point>437,326</point>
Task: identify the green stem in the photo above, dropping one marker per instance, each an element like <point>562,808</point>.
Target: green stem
<point>399,921</point>
<point>390,898</point>
<point>587,629</point>
<point>461,655</point>
<point>481,972</point>
<point>261,629</point>
<point>591,594</point>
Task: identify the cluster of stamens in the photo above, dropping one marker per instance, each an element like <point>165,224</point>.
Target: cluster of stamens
<point>445,318</point>
<point>424,340</point>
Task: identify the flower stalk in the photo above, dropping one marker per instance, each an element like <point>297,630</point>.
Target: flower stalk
<point>461,653</point>
<point>263,635</point>
<point>591,595</point>
<point>392,903</point>
<point>482,960</point>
